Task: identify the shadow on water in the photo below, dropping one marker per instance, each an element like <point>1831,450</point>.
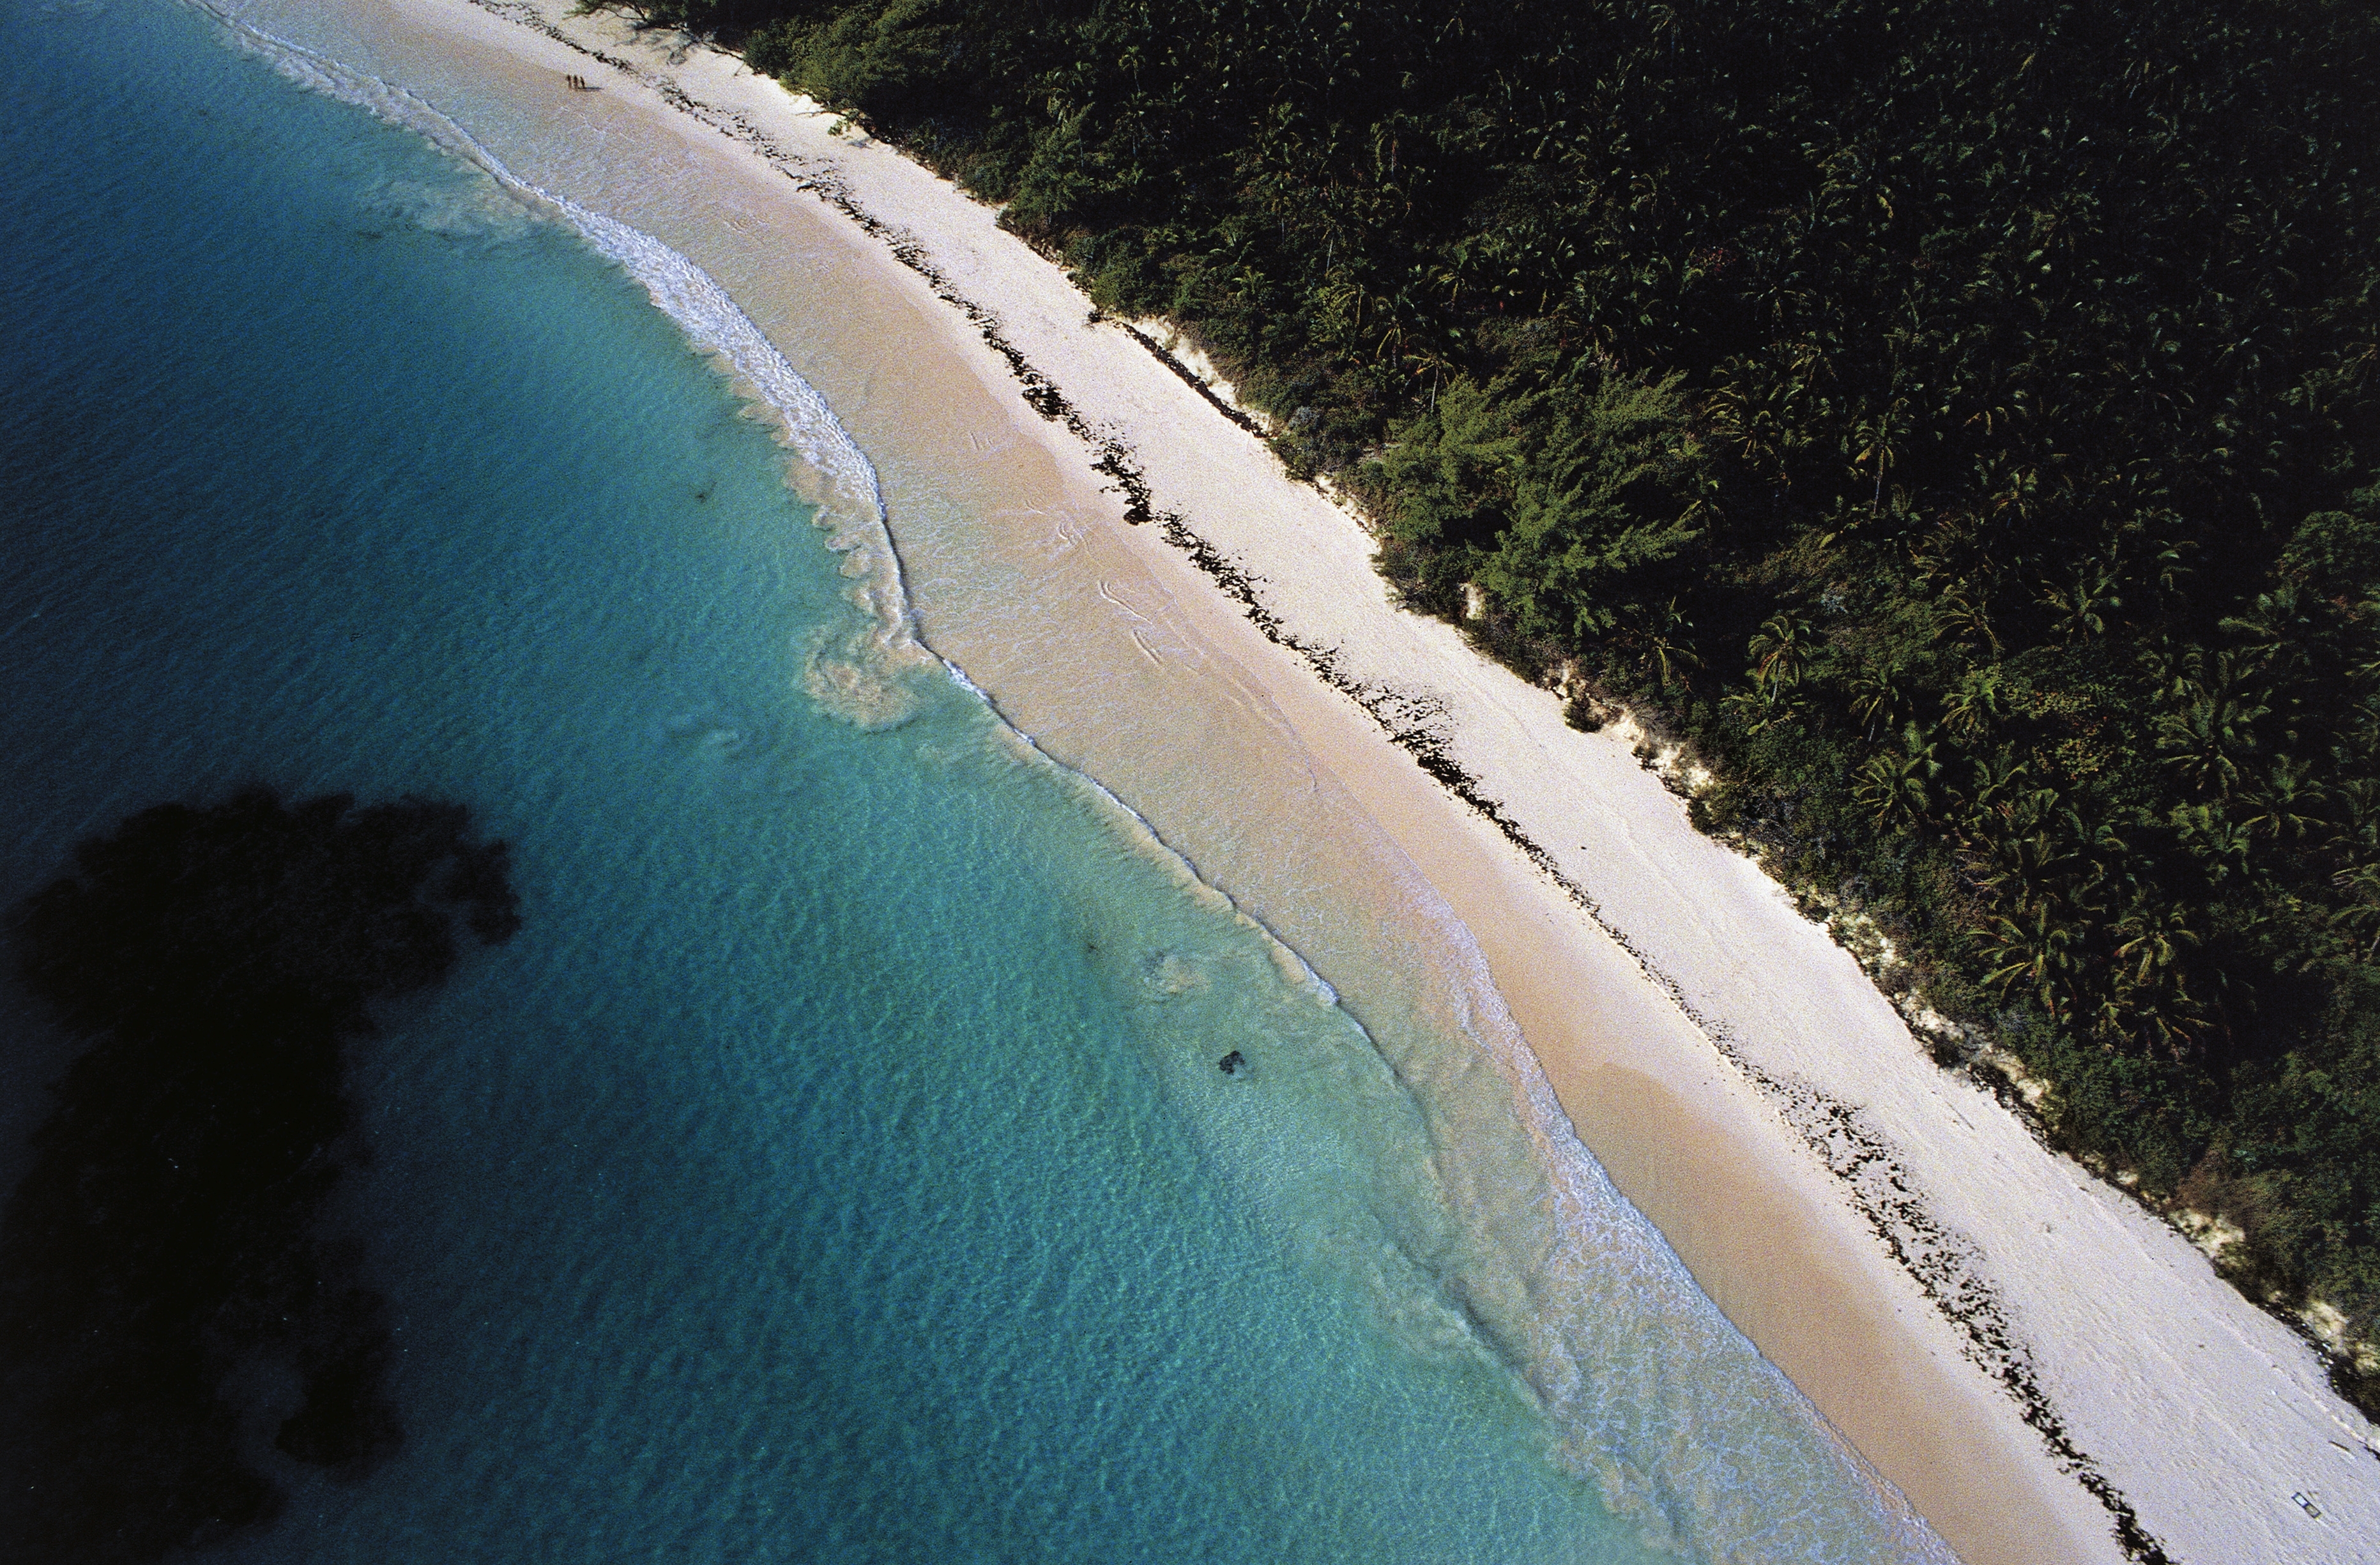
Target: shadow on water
<point>173,1310</point>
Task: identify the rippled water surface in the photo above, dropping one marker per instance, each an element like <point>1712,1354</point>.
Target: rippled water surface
<point>837,1166</point>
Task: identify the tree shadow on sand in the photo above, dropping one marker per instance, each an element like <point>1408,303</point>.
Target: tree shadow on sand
<point>171,1308</point>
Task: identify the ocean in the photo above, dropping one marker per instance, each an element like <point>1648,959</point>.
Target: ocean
<point>837,1166</point>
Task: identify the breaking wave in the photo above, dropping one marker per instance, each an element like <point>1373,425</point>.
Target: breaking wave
<point>863,677</point>
<point>1653,1394</point>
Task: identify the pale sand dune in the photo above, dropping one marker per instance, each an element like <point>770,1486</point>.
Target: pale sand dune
<point>1709,1070</point>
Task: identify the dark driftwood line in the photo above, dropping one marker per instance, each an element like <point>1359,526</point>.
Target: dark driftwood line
<point>1955,422</point>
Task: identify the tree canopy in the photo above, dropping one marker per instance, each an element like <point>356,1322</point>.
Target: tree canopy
<point>1957,419</point>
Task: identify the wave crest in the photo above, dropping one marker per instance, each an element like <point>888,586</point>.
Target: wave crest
<point>863,678</point>
<point>1562,1295</point>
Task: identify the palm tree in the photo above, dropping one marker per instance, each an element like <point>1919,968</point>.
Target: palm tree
<point>1874,698</point>
<point>1878,452</point>
<point>2288,803</point>
<point>2274,629</point>
<point>1974,704</point>
<point>2150,999</point>
<point>2213,724</point>
<point>2035,950</point>
<point>2082,602</point>
<point>2031,844</point>
<point>1779,653</point>
<point>2220,845</point>
<point>1897,783</point>
<point>1659,635</point>
<point>2361,885</point>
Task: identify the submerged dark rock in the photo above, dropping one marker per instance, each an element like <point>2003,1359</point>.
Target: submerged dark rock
<point>170,1311</point>
<point>1232,1063</point>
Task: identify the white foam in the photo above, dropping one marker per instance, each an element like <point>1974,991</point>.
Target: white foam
<point>1682,1480</point>
<point>850,496</point>
<point>715,323</point>
<point>1634,1419</point>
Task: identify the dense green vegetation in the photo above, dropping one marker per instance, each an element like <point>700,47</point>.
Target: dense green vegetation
<point>1957,420</point>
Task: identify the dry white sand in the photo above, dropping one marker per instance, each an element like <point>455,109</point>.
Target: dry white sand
<point>1985,1322</point>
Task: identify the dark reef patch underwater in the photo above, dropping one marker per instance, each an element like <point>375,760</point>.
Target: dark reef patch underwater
<point>171,1300</point>
<point>838,1167</point>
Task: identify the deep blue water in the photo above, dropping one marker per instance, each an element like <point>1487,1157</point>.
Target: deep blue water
<point>835,1167</point>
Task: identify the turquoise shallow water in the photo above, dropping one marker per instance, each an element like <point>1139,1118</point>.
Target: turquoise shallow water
<point>836,1167</point>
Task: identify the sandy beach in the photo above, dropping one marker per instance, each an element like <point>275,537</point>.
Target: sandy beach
<point>2043,1369</point>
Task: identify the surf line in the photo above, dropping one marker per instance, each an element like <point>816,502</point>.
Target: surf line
<point>1946,1265</point>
